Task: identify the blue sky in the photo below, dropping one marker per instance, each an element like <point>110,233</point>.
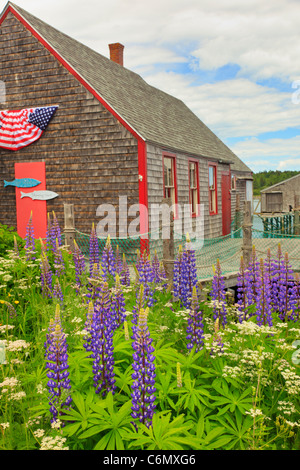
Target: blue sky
<point>233,62</point>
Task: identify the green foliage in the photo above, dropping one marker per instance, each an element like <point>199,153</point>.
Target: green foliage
<point>245,396</point>
<point>7,235</point>
<point>264,179</point>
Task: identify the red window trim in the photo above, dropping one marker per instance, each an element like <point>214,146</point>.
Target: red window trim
<point>215,165</point>
<point>173,156</point>
<point>193,160</point>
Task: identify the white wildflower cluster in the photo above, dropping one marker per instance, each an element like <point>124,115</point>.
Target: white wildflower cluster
<point>17,345</point>
<point>33,422</point>
<point>292,381</point>
<point>286,407</point>
<point>232,371</point>
<point>8,389</point>
<point>5,328</point>
<point>254,412</point>
<point>53,443</point>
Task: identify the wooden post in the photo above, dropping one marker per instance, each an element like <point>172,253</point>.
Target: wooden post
<point>247,234</point>
<point>69,229</point>
<point>168,244</point>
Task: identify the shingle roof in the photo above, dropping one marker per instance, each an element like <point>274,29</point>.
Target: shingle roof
<point>155,115</point>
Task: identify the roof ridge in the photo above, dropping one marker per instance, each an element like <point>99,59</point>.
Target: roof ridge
<point>153,114</point>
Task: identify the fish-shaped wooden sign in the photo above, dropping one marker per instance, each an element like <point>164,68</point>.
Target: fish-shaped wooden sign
<point>22,183</point>
<point>40,195</point>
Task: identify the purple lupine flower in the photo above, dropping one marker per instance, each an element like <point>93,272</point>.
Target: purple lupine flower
<point>189,275</point>
<point>30,241</point>
<point>49,233</point>
<point>79,264</point>
<point>179,286</point>
<point>263,298</point>
<point>108,259</point>
<point>88,327</point>
<point>143,387</point>
<point>58,261</point>
<point>118,261</point>
<point>195,326</point>
<point>156,268</point>
<point>125,273</point>
<point>57,366</point>
<point>286,291</point>
<point>242,286</point>
<point>46,276</point>
<point>146,277</point>
<point>57,292</point>
<point>252,276</point>
<point>55,232</point>
<point>102,343</point>
<point>117,305</point>
<point>218,295</point>
<point>93,249</point>
<point>276,265</point>
<point>297,292</point>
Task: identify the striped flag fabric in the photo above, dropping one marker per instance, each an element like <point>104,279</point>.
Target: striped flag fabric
<point>20,128</point>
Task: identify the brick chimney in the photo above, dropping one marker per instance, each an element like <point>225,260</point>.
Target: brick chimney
<point>116,52</point>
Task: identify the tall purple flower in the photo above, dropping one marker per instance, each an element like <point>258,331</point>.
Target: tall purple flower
<point>55,232</point>
<point>143,387</point>
<point>57,368</point>
<point>125,273</point>
<point>108,259</point>
<point>59,263</point>
<point>118,261</point>
<point>195,326</point>
<point>242,286</point>
<point>179,286</point>
<point>46,276</point>
<point>102,343</point>
<point>190,271</point>
<point>79,264</point>
<point>30,240</point>
<point>286,291</point>
<point>93,249</point>
<point>253,275</point>
<point>218,295</point>
<point>117,305</point>
<point>88,327</point>
<point>263,298</point>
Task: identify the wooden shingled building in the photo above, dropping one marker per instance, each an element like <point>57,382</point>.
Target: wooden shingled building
<point>111,135</point>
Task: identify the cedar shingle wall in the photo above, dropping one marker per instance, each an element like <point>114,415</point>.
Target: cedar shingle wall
<point>212,223</point>
<point>90,157</point>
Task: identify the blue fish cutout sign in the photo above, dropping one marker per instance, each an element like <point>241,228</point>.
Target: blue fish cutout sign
<point>40,195</point>
<point>22,183</point>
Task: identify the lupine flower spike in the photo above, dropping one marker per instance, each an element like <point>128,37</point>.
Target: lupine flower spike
<point>125,273</point>
<point>117,305</point>
<point>102,343</point>
<point>94,249</point>
<point>143,387</point>
<point>108,259</point>
<point>263,297</point>
<point>57,368</point>
<point>218,295</point>
<point>30,241</point>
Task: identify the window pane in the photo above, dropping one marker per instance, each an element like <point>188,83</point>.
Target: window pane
<point>211,177</point>
<point>168,172</point>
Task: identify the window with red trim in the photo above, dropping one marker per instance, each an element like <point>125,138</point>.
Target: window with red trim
<point>194,187</point>
<point>170,184</point>
<point>212,189</point>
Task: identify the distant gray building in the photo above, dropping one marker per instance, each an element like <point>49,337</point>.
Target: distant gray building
<point>281,197</point>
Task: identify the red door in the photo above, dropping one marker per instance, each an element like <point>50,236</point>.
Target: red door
<point>226,202</point>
